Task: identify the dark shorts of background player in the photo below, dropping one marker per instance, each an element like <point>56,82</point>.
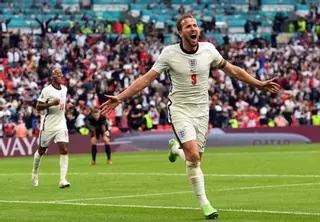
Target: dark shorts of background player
<point>99,133</point>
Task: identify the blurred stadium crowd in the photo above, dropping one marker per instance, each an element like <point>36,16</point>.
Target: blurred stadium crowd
<point>100,58</point>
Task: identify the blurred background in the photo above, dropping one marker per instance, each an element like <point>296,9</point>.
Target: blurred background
<point>103,45</point>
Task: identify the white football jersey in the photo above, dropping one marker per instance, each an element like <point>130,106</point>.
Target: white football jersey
<point>53,118</point>
<point>189,75</point>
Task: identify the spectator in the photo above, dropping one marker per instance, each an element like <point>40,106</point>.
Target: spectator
<point>44,25</point>
<point>280,121</point>
<point>4,25</point>
<point>136,118</point>
<point>126,28</point>
<point>117,28</point>
<point>118,113</point>
<point>9,129</point>
<point>140,28</point>
<point>86,60</point>
<point>124,125</point>
<point>30,64</point>
<point>147,122</point>
<point>21,130</point>
<point>154,114</point>
<point>288,110</point>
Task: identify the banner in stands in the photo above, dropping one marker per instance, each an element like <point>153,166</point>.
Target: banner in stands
<point>10,147</point>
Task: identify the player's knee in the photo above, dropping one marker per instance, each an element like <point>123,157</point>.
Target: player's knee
<point>41,151</point>
<point>193,157</point>
<point>105,140</point>
<point>63,150</point>
<point>93,141</point>
<point>191,164</point>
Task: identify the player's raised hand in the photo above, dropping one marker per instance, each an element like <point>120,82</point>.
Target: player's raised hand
<point>55,102</point>
<point>112,103</point>
<point>270,86</point>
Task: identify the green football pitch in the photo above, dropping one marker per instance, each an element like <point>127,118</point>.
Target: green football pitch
<point>267,183</point>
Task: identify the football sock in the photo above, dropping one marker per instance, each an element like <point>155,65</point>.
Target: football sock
<point>107,148</point>
<point>94,152</point>
<point>36,162</point>
<point>64,160</point>
<point>196,178</point>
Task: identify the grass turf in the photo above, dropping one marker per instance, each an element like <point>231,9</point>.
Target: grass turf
<point>266,183</point>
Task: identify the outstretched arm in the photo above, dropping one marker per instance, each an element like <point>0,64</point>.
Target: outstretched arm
<point>138,85</point>
<point>242,75</point>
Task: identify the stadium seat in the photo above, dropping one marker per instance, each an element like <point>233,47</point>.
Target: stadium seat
<point>5,16</point>
<point>146,12</point>
<point>132,36</point>
<point>278,2</point>
<point>171,23</point>
<point>236,22</point>
<point>143,1</point>
<point>302,9</point>
<point>102,2</point>
<point>17,23</point>
<point>55,12</point>
<point>278,5</point>
<point>25,3</point>
<point>33,24</point>
<point>3,5</point>
<point>70,2</point>
<point>312,1</point>
<point>51,2</point>
<point>112,15</point>
<point>73,4</point>
<point>137,6</point>
<point>240,2</point>
<point>163,18</point>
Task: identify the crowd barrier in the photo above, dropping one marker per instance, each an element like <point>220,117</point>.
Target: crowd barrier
<point>10,147</point>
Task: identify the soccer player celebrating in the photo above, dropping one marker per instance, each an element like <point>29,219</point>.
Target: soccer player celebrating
<point>188,65</point>
<point>99,127</point>
<point>53,126</point>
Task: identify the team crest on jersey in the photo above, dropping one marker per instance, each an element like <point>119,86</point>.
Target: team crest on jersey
<point>192,63</point>
<point>182,133</point>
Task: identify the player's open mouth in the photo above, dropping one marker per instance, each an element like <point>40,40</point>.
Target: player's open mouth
<point>193,36</point>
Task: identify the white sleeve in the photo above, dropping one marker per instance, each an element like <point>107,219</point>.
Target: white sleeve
<point>217,58</point>
<point>161,63</point>
<point>43,96</point>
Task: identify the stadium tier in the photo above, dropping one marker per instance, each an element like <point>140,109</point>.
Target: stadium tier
<point>229,15</point>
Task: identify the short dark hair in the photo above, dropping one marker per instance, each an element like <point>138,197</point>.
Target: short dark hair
<point>178,24</point>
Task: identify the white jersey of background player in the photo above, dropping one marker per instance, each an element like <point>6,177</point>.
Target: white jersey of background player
<point>52,102</point>
<point>188,66</point>
<point>53,118</point>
